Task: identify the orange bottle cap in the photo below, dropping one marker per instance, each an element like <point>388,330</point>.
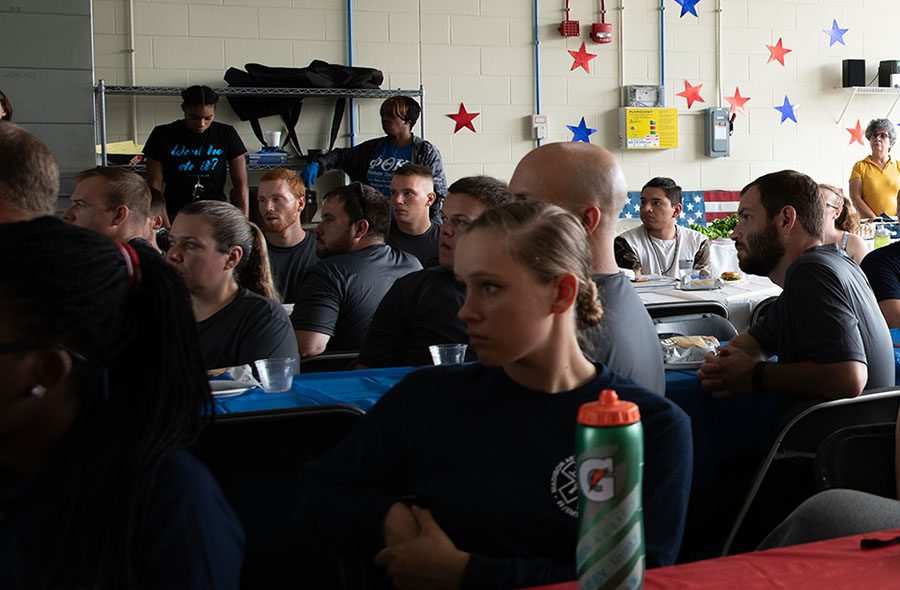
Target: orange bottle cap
<point>609,410</point>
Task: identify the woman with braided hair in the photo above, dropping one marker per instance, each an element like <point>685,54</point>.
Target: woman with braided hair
<point>102,389</point>
<point>224,262</point>
<point>460,476</point>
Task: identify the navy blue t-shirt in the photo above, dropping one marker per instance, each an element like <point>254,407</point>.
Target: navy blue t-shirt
<point>383,164</point>
<point>191,538</point>
<point>882,268</point>
<point>494,463</point>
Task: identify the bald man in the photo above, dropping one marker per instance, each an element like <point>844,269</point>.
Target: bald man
<point>587,180</point>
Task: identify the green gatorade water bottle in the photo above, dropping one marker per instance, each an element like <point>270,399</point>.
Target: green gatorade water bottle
<point>609,459</point>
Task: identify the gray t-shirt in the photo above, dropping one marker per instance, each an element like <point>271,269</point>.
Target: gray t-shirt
<point>828,314</point>
<point>289,264</point>
<point>626,341</point>
<point>339,295</point>
<point>424,246</point>
<point>249,328</point>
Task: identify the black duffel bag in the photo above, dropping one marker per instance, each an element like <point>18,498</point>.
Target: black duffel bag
<point>318,74</point>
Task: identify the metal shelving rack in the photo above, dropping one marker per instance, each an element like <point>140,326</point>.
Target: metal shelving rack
<point>101,91</point>
<point>870,90</point>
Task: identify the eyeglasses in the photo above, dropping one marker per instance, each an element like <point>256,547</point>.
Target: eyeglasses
<point>19,347</point>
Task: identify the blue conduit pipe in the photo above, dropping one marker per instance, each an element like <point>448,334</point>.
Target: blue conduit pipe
<point>350,63</point>
<point>537,68</point>
<point>662,51</point>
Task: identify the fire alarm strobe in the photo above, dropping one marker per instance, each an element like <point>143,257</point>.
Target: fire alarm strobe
<point>602,32</point>
<point>569,28</point>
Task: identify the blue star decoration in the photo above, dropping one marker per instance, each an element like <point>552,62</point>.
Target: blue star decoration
<point>687,6</point>
<point>581,132</point>
<point>835,34</point>
<point>787,110</point>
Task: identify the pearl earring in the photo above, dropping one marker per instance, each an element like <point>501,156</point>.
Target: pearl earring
<point>38,391</point>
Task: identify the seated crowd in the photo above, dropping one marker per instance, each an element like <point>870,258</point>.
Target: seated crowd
<point>97,490</point>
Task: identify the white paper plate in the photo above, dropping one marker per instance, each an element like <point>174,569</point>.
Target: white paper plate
<point>652,281</point>
<point>222,388</point>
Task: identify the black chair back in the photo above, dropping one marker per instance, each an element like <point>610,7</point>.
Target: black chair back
<point>805,432</point>
<point>703,324</point>
<point>859,458</point>
<point>329,361</point>
<point>256,457</point>
<point>761,309</point>
<point>663,310</point>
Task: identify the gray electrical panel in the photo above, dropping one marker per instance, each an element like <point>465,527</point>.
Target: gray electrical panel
<point>718,133</point>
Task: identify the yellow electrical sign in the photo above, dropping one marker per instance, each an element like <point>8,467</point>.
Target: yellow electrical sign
<point>648,129</point>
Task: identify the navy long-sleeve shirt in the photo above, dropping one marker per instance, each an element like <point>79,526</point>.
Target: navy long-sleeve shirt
<point>494,463</point>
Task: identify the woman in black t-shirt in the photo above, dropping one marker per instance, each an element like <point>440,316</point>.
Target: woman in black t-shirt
<point>190,156</point>
<point>224,262</point>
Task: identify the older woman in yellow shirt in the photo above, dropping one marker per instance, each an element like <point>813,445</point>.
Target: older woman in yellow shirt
<point>875,181</point>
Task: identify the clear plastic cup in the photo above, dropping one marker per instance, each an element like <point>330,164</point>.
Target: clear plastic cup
<point>447,354</point>
<point>276,374</point>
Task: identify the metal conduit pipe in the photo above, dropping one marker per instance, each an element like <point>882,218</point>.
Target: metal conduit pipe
<point>537,68</point>
<point>352,118</point>
<point>662,51</point>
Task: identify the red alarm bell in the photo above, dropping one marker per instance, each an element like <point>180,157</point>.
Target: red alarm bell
<point>602,32</point>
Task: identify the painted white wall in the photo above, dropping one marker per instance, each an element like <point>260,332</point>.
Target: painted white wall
<point>480,52</point>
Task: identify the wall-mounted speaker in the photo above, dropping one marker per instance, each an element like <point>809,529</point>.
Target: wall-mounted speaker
<point>854,72</point>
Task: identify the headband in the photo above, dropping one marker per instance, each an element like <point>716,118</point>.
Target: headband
<point>132,266</point>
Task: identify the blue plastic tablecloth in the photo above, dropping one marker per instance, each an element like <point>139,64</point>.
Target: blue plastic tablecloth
<point>358,388</point>
<point>722,428</point>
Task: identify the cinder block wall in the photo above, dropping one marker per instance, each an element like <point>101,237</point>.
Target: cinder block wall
<point>481,52</point>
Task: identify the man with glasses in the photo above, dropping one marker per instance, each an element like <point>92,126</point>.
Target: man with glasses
<point>420,309</point>
<point>337,298</point>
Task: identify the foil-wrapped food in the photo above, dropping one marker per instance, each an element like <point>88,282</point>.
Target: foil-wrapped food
<point>678,350</point>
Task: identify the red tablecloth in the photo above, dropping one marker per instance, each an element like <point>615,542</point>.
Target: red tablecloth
<point>826,565</point>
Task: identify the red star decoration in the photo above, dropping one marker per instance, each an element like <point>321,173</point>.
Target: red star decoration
<point>691,93</point>
<point>463,118</point>
<point>777,52</point>
<point>856,134</point>
<point>582,58</point>
<point>737,102</point>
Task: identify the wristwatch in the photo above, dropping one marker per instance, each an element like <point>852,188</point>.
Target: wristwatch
<point>758,375</point>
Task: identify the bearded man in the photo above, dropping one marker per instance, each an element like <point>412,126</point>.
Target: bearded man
<point>831,340</point>
<point>281,197</point>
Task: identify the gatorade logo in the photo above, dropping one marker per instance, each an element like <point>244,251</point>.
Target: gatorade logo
<point>596,480</point>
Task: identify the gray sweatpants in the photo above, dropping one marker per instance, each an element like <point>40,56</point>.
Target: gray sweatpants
<point>835,513</point>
